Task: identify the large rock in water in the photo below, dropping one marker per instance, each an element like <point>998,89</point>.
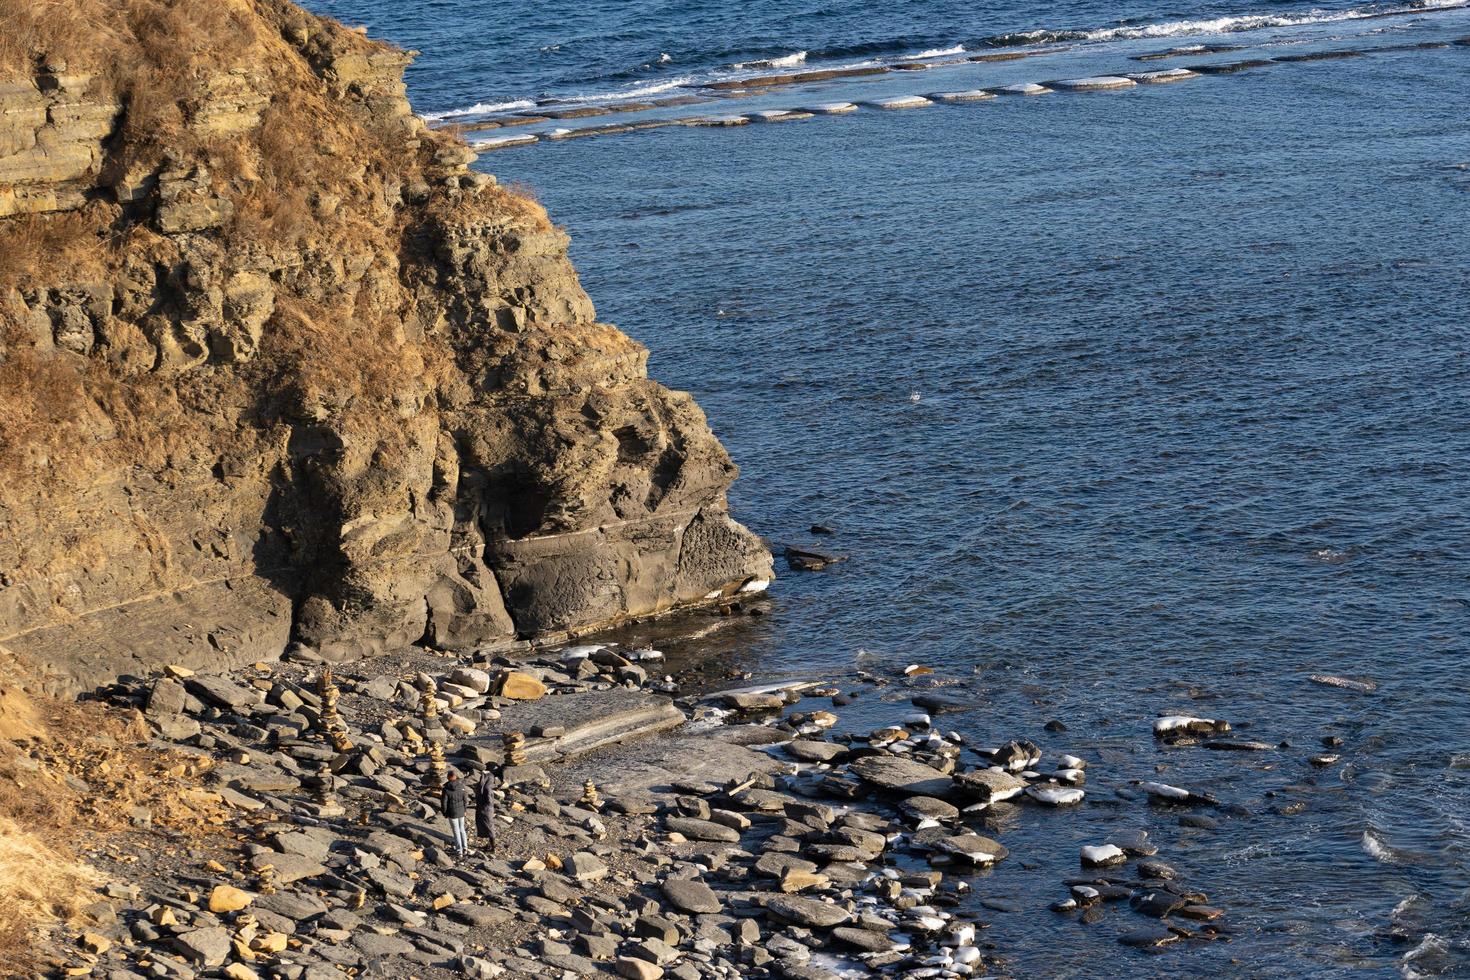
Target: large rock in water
<point>295,372</point>
<point>899,775</point>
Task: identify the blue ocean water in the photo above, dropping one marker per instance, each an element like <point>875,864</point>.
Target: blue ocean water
<point>1119,403</point>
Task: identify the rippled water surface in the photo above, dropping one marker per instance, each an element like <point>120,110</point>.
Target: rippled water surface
<point>1119,403</point>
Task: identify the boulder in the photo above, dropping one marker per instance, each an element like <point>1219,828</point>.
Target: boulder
<point>691,895</point>
<point>989,785</point>
<point>208,947</point>
<point>520,686</point>
<point>477,680</point>
<point>227,898</point>
<point>223,692</point>
<point>637,969</point>
<point>585,867</point>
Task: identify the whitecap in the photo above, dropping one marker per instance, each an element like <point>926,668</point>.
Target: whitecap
<point>478,109</point>
<point>1377,849</point>
<point>934,53</point>
<point>637,92</point>
<point>785,61</point>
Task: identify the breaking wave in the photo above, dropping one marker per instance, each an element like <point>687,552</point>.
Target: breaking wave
<point>787,61</point>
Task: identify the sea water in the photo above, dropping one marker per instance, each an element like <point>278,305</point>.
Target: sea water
<point>1120,404</point>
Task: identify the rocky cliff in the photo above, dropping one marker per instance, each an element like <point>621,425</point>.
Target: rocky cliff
<point>276,365</point>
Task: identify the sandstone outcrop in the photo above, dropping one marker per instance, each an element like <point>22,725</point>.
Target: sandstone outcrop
<point>276,365</point>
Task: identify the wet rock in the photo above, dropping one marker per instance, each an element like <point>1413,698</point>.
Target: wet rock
<point>1052,794</point>
<point>1166,793</point>
<point>801,560</point>
<point>1015,756</point>
<point>922,808</point>
<point>1201,913</point>
<point>1148,937</point>
<point>1199,821</point>
<point>989,785</point>
<point>973,848</point>
<point>1102,856</point>
<point>1345,683</point>
<point>1156,869</point>
<point>939,702</point>
<point>1157,904</point>
<point>1181,728</point>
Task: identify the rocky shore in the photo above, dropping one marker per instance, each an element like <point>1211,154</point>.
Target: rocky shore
<point>642,831</point>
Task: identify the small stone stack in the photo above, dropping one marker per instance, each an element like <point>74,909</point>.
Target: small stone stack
<point>331,720</point>
<point>515,748</point>
<point>438,768</point>
<point>590,799</point>
<point>324,791</point>
<point>428,703</point>
<point>265,879</point>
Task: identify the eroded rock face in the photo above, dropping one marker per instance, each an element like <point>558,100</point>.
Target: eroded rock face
<point>339,389</point>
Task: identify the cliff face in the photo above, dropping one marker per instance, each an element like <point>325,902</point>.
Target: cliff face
<point>276,365</point>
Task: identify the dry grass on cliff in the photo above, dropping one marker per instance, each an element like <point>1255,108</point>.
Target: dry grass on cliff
<point>34,246</point>
<point>43,397</point>
<point>113,36</point>
<point>68,775</point>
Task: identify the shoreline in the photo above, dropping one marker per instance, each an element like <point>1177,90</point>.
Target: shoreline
<point>735,832</point>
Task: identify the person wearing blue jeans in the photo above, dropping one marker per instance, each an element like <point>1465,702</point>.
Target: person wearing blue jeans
<point>452,805</point>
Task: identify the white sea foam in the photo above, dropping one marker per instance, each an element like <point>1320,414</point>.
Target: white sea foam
<point>934,53</point>
<point>785,61</point>
<point>638,92</point>
<point>1250,22</point>
<point>479,109</point>
<point>1377,849</point>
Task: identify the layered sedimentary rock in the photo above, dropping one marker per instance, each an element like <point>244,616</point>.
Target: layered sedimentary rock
<point>277,365</point>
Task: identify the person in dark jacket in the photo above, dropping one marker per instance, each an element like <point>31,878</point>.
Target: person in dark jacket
<point>485,808</point>
<point>452,805</point>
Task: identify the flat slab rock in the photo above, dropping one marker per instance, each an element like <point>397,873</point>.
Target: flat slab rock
<point>899,775</point>
<point>588,721</point>
<point>710,757</point>
<point>989,785</point>
<point>706,830</point>
<point>816,751</point>
<point>808,912</point>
